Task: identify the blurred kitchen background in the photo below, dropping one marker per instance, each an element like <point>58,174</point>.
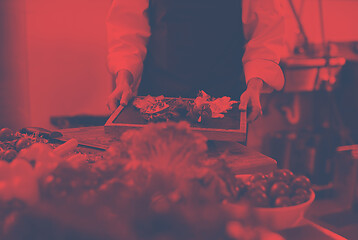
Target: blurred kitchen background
<point>52,60</point>
<point>53,74</point>
<point>53,70</point>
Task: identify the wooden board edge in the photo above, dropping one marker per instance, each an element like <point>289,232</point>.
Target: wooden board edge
<point>130,125</point>
<point>114,115</point>
<point>243,121</point>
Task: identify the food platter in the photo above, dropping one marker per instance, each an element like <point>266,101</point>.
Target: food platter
<point>232,126</point>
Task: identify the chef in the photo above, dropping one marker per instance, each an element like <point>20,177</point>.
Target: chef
<point>178,47</point>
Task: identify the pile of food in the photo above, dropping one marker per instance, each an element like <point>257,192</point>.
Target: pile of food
<point>280,188</point>
<point>156,183</point>
<point>201,109</point>
<point>11,143</point>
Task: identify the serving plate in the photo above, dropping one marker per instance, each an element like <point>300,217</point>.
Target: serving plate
<point>233,127</point>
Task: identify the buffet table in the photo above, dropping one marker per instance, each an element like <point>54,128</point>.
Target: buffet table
<point>73,193</point>
<point>241,159</point>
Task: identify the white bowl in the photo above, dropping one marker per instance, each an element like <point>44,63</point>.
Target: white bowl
<point>274,218</point>
<point>283,217</point>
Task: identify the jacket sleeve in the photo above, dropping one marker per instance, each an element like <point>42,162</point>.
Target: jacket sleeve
<point>263,24</point>
<point>128,32</point>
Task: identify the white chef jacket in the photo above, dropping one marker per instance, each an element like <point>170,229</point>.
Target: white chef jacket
<point>263,24</point>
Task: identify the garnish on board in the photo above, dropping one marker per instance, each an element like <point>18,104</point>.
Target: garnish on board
<point>202,108</point>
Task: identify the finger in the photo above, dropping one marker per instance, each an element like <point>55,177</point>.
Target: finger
<point>255,102</point>
<point>111,105</point>
<point>256,112</point>
<point>244,99</point>
<point>112,102</point>
<point>126,97</point>
<point>256,109</point>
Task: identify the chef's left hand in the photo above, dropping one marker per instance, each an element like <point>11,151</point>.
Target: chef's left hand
<point>251,97</point>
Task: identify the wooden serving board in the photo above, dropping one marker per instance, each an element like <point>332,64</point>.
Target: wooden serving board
<point>232,127</point>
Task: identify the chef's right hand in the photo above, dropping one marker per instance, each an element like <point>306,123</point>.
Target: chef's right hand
<point>123,92</point>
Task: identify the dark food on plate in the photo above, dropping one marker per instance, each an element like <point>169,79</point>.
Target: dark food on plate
<point>204,107</point>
